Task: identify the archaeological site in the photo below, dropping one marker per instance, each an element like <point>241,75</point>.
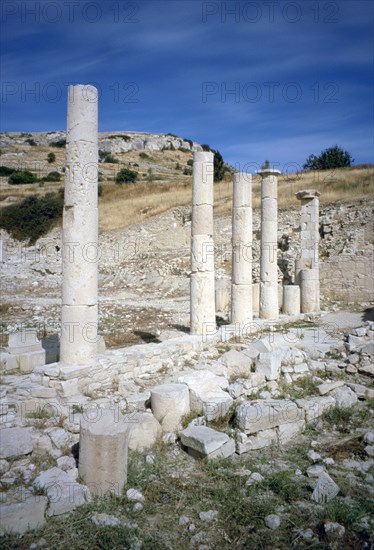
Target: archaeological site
<point>185,363</point>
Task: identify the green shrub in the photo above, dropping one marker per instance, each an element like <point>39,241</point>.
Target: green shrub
<point>60,143</point>
<point>144,155</point>
<point>187,171</point>
<point>190,162</point>
<point>206,147</point>
<point>51,158</point>
<point>107,157</point>
<point>31,142</point>
<point>22,177</point>
<point>125,175</point>
<point>5,171</point>
<point>99,190</point>
<point>332,157</point>
<point>33,217</point>
<point>52,176</point>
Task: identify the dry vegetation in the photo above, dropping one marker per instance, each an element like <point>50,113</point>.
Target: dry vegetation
<point>162,184</point>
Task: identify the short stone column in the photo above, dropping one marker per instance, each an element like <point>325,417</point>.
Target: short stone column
<point>291,300</point>
<point>202,298</point>
<point>103,451</point>
<point>269,303</point>
<point>79,316</point>
<point>309,237</point>
<point>241,285</point>
<point>309,290</point>
<point>169,403</point>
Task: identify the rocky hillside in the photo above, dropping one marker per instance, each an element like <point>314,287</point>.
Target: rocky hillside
<point>109,142</point>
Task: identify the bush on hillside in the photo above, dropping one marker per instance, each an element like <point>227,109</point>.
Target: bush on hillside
<point>52,176</point>
<point>6,171</point>
<point>22,177</point>
<point>125,175</point>
<point>33,217</point>
<point>51,158</point>
<point>332,157</point>
<point>60,143</point>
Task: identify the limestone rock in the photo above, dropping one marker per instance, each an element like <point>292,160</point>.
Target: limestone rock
<point>269,364</point>
<point>208,516</point>
<point>326,489</point>
<point>316,406</point>
<point>272,521</point>
<point>344,397</point>
<point>237,363</point>
<point>144,430</point>
<point>15,442</point>
<point>334,530</point>
<point>206,393</point>
<point>59,437</point>
<point>19,517</point>
<point>254,416</point>
<point>260,440</point>
<point>329,386</point>
<point>135,495</point>
<point>202,441</point>
<point>169,403</point>
<point>64,493</point>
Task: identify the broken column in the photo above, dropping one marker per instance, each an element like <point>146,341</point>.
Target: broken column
<point>169,403</point>
<point>291,300</point>
<point>241,286</point>
<point>308,257</point>
<point>103,450</point>
<point>269,308</point>
<point>80,229</point>
<point>202,300</point>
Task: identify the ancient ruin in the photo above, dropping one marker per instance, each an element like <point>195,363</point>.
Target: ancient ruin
<point>241,280</point>
<point>79,318</point>
<point>269,308</point>
<point>202,304</point>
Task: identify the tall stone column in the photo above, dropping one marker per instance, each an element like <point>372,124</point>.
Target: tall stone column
<point>202,299</point>
<point>269,302</point>
<point>309,241</point>
<point>241,286</point>
<point>80,229</point>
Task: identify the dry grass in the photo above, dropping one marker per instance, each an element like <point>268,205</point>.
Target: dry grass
<point>121,206</point>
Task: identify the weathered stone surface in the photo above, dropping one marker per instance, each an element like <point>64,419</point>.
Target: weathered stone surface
<point>15,442</point>
<point>138,401</point>
<point>64,493</point>
<point>269,364</point>
<point>366,369</point>
<point>169,403</point>
<point>344,397</point>
<point>103,447</point>
<point>326,387</point>
<point>237,362</point>
<point>326,489</point>
<point>59,437</point>
<point>287,432</point>
<point>206,393</point>
<point>19,517</point>
<point>41,442</point>
<point>254,416</point>
<point>362,392</point>
<point>202,441</point>
<point>316,406</point>
<point>272,521</point>
<point>260,440</point>
<point>144,430</point>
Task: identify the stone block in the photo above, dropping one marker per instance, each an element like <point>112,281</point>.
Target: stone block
<point>255,416</point>
<point>144,430</point>
<point>315,407</point>
<point>28,361</point>
<point>326,489</point>
<point>24,341</point>
<point>15,442</point>
<point>326,387</point>
<point>169,403</point>
<point>19,517</point>
<point>63,491</point>
<point>206,442</point>
<point>287,432</point>
<point>269,364</point>
<point>344,397</point>
<point>262,439</point>
<point>43,392</point>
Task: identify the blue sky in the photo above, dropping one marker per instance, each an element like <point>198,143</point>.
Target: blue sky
<point>254,79</point>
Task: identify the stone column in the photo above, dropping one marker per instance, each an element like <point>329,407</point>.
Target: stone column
<point>291,300</point>
<point>202,299</point>
<point>80,229</point>
<point>269,308</point>
<point>309,240</point>
<point>103,451</point>
<point>309,290</point>
<point>241,286</point>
